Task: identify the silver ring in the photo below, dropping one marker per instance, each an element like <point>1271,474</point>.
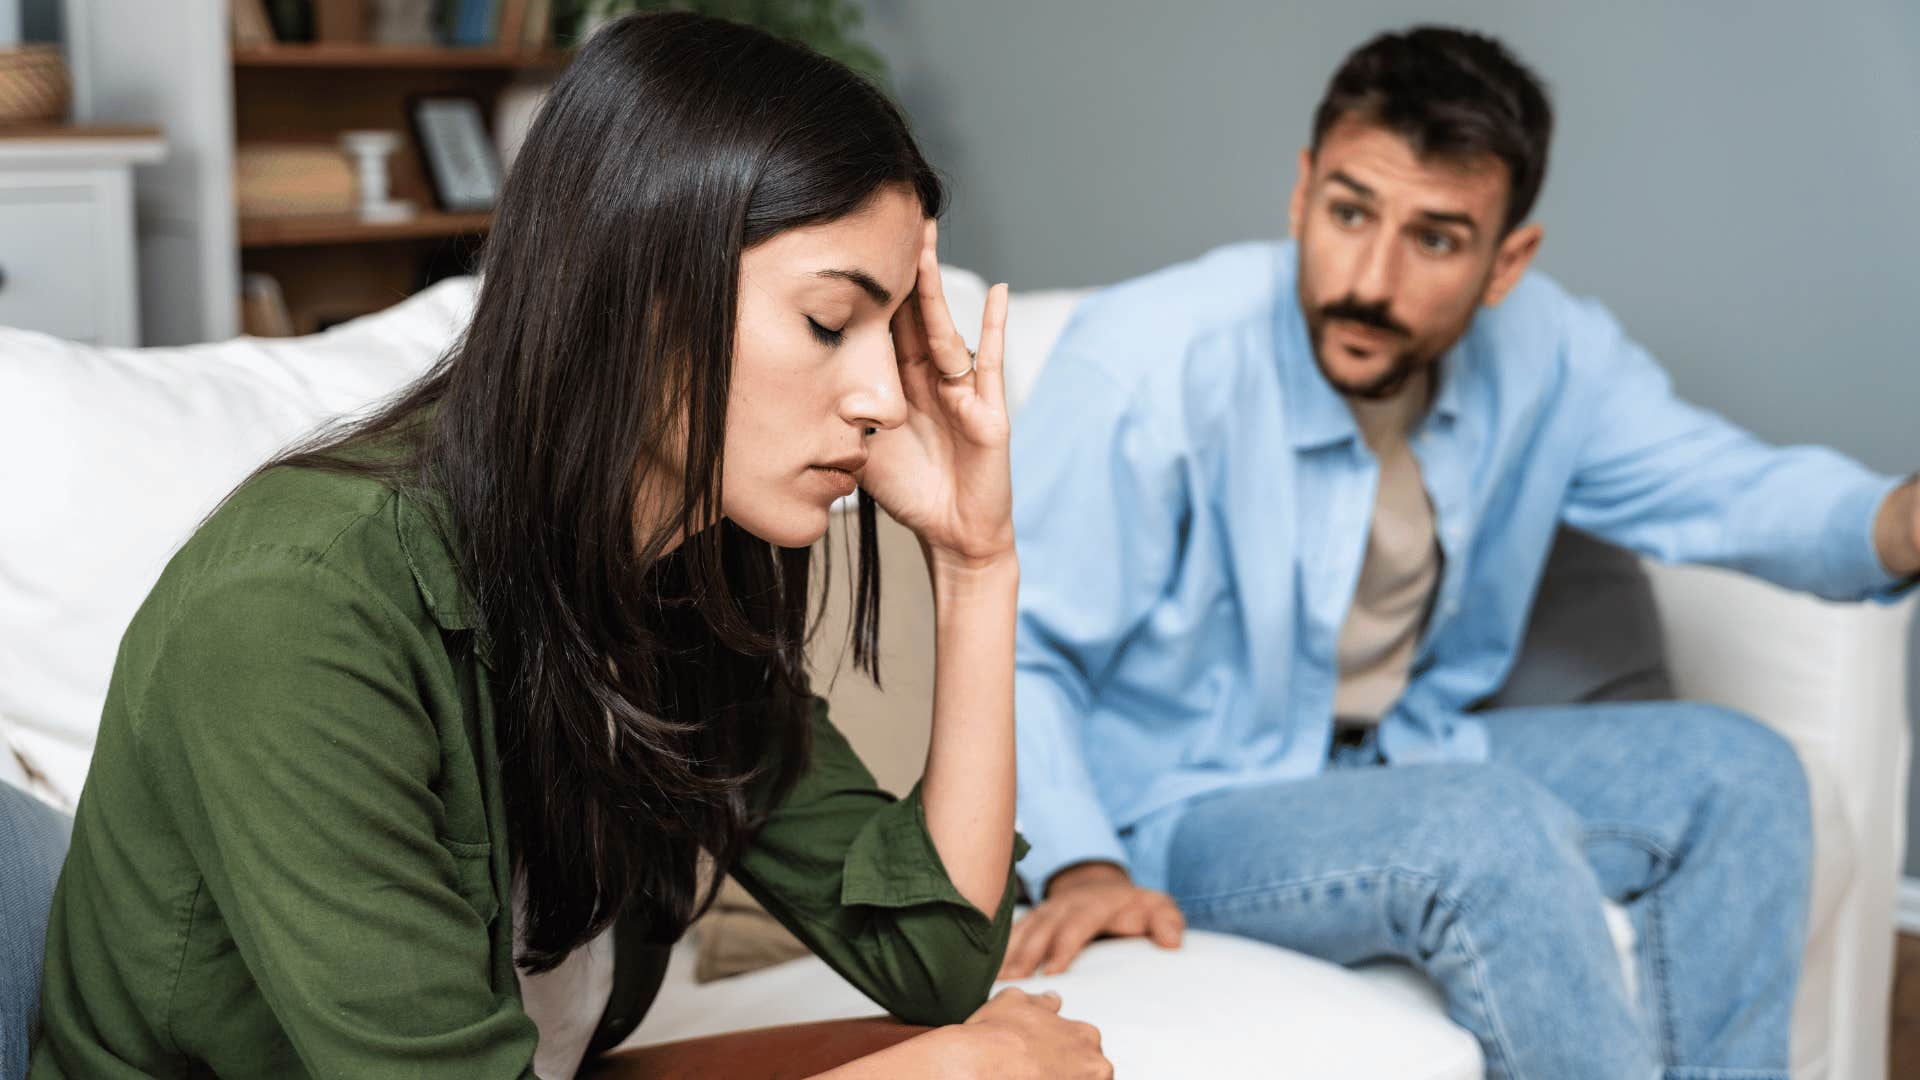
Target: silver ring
<point>973,361</point>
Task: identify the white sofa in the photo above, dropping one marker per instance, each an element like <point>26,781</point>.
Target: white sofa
<point>108,458</point>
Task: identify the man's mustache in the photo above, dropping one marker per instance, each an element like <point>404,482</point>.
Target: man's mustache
<point>1374,315</point>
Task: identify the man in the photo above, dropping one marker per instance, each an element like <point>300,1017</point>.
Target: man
<point>1282,512</point>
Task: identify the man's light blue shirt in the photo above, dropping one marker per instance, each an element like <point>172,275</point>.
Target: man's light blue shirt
<point>1192,502</point>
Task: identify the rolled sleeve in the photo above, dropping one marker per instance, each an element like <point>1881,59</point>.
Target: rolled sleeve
<point>853,872</point>
<point>1851,555</point>
<point>892,863</point>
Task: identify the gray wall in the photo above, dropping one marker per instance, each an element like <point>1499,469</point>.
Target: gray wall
<point>1738,180</point>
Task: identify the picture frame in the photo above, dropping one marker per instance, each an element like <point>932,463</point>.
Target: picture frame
<point>461,161</point>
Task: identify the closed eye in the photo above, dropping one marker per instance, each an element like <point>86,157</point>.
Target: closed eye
<point>823,335</point>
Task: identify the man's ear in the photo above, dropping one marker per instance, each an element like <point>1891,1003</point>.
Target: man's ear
<point>1511,261</point>
<point>1297,204</point>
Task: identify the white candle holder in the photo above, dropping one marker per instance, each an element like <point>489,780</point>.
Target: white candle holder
<point>369,151</point>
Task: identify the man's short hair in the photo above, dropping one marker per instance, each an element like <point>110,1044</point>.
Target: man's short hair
<point>1452,94</point>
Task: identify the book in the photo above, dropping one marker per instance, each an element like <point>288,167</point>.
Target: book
<point>342,20</point>
<point>471,23</point>
<point>251,29</point>
<point>511,36</point>
<point>263,308</point>
<point>292,19</point>
<point>280,179</point>
<point>538,32</point>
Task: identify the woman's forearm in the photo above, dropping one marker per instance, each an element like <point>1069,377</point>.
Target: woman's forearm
<point>969,782</point>
<point>940,1054</point>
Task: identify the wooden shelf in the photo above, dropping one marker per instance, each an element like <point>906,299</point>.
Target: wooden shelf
<point>396,57</point>
<point>80,131</point>
<point>312,231</point>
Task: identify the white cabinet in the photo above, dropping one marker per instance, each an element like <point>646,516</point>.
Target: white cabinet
<point>67,260</point>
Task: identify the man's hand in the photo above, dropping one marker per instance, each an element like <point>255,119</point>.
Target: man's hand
<point>1084,902</point>
<point>1896,532</point>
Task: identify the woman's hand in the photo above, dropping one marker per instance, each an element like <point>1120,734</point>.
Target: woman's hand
<point>943,473</point>
<point>1018,1035</point>
<point>1015,1036</point>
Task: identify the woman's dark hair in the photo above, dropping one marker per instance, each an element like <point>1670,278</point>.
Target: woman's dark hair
<point>1452,94</point>
<point>655,700</point>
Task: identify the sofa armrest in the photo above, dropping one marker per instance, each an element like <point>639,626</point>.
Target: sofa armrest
<point>1832,678</point>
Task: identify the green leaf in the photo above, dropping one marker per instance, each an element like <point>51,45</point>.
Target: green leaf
<point>828,27</point>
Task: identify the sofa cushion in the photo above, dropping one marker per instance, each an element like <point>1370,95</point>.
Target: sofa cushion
<point>1220,1006</point>
<point>114,455</point>
<point>737,935</point>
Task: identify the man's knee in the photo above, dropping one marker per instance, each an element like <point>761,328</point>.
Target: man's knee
<point>1748,771</point>
<point>1490,827</point>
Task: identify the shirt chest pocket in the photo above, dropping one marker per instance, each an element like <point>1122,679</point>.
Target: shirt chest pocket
<point>473,876</point>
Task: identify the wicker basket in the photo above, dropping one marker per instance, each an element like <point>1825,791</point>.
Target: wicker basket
<point>34,88</point>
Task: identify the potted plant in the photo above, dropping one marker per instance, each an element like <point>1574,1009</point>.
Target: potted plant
<point>828,27</point>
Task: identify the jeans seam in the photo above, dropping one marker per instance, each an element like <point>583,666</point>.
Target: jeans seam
<point>1651,946</point>
<point>1496,1030</point>
<point>1278,886</point>
<point>1661,998</point>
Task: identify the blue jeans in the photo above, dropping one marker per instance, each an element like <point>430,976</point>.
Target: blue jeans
<point>1489,878</point>
<point>33,845</point>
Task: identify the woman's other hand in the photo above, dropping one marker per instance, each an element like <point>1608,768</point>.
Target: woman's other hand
<point>1017,1036</point>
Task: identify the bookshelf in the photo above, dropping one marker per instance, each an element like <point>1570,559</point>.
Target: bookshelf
<point>308,230</point>
<point>308,95</point>
<point>180,69</point>
<point>395,58</point>
<point>333,265</point>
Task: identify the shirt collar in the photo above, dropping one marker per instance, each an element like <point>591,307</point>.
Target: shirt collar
<point>1452,373</point>
<point>431,559</point>
<point>1317,416</point>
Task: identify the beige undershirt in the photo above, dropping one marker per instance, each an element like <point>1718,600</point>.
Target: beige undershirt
<point>1401,569</point>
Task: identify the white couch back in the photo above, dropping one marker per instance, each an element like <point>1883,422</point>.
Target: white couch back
<point>110,457</point>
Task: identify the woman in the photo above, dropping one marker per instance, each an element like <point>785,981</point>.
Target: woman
<point>437,716</point>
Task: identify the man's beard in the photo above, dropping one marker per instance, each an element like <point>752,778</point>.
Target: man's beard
<point>1402,367</point>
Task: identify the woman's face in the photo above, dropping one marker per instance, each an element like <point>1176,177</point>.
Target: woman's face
<point>813,365</point>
